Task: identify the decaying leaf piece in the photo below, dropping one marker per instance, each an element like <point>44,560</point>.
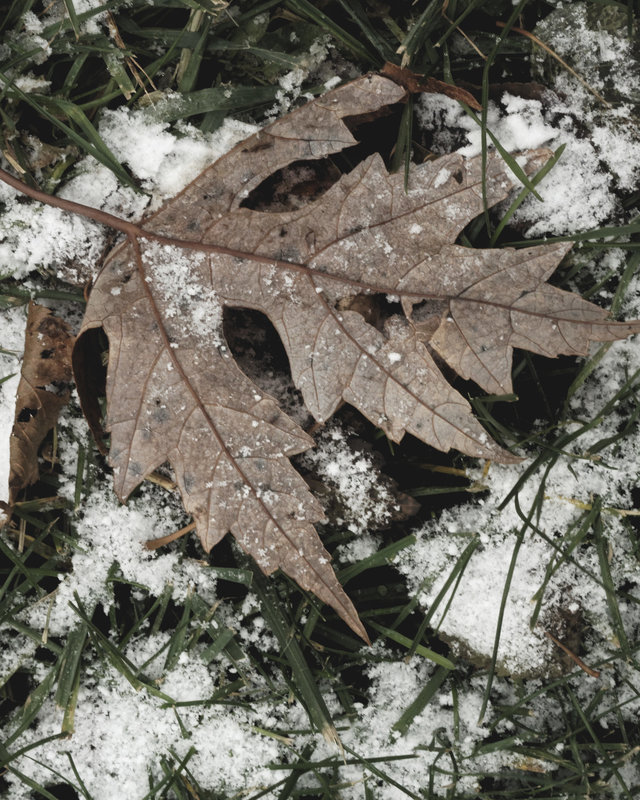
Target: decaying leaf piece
<point>42,391</point>
<point>175,393</point>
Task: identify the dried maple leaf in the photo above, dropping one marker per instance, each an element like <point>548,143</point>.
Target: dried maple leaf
<point>175,393</point>
<point>42,391</point>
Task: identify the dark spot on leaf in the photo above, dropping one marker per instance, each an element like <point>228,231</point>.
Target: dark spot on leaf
<point>126,278</point>
<point>289,254</point>
<point>26,414</point>
<point>457,176</point>
<point>189,482</point>
<point>161,414</point>
<point>213,193</point>
<point>256,148</point>
<point>46,353</point>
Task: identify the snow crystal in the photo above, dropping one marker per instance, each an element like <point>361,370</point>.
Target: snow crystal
<point>291,82</point>
<point>41,237</point>
<point>473,632</point>
<point>31,22</point>
<point>15,650</point>
<point>441,178</point>
<point>56,12</point>
<point>395,684</point>
<point>602,151</point>
<point>111,536</point>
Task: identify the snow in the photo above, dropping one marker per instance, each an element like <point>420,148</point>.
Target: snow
<point>12,324</point>
<point>56,13</point>
<point>178,277</point>
<point>164,160</point>
<point>121,735</point>
<point>578,193</point>
<point>366,504</point>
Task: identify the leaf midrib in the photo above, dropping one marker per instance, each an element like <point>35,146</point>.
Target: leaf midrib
<point>133,240</point>
<point>134,231</point>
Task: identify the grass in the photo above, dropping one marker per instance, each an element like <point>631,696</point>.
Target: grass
<point>210,59</point>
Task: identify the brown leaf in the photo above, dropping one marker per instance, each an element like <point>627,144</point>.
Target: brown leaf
<point>42,391</point>
<point>175,393</point>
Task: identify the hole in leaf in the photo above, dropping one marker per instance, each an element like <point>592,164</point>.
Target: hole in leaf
<point>303,182</point>
<point>259,353</point>
<point>293,186</point>
<point>26,414</point>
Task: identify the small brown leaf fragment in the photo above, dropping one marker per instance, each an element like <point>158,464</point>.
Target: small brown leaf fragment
<point>594,673</point>
<point>415,83</point>
<point>42,391</point>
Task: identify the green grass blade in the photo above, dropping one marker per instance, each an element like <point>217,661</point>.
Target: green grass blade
<point>419,32</point>
<point>368,765</point>
<point>191,58</point>
<point>178,639</point>
<point>424,697</point>
<point>303,684</point>
<point>421,650</point>
<point>311,12</point>
<point>484,131</point>
<point>525,192</point>
<point>73,17</point>
<point>232,100</point>
<point>83,789</point>
<point>381,558</point>
<point>598,744</point>
<point>362,19</point>
<point>117,69</point>
<point>92,144</point>
<point>602,545</point>
<point>33,704</point>
<point>501,612</point>
<point>70,664</point>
